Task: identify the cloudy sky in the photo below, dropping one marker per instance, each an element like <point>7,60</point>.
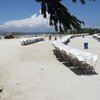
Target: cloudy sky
<point>34,23</point>
<point>24,15</point>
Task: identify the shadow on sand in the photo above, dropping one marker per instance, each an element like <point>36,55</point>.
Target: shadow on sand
<point>74,69</point>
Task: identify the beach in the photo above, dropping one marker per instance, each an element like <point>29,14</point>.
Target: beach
<point>33,72</point>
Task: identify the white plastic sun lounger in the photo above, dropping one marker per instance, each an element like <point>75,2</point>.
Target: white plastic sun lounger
<point>85,60</point>
<point>98,38</point>
<point>88,60</point>
<point>95,35</point>
<point>66,38</point>
<point>27,41</point>
<point>79,58</point>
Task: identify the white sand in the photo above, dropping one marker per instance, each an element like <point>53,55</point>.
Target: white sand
<point>33,73</point>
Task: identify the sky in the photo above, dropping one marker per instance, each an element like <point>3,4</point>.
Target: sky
<point>24,15</point>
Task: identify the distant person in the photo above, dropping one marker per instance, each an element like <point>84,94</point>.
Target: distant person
<point>49,37</point>
<point>55,38</point>
<point>35,35</point>
<point>83,36</point>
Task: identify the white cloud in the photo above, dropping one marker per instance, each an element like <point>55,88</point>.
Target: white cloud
<point>35,23</point>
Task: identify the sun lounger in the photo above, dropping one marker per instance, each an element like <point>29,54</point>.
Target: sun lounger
<point>84,60</point>
<point>28,41</point>
<point>98,38</point>
<point>66,38</point>
<point>95,35</point>
<point>88,60</point>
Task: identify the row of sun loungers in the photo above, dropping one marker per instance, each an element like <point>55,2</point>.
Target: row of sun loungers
<point>84,60</point>
<point>66,39</point>
<point>97,36</point>
<point>28,41</point>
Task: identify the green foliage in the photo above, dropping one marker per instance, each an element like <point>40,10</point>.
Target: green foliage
<point>86,30</point>
<point>82,1</point>
<point>60,17</point>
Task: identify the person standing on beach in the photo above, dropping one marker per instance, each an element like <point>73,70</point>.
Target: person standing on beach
<point>49,37</point>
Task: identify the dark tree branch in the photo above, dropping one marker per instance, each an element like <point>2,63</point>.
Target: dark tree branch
<point>60,16</point>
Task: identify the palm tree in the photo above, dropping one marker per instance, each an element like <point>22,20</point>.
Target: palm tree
<point>60,17</point>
